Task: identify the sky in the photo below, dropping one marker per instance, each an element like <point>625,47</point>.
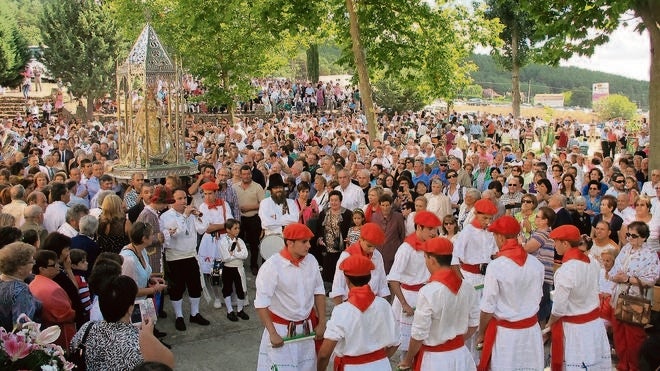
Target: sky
<point>627,54</point>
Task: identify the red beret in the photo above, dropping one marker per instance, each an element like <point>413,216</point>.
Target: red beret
<point>162,195</point>
<point>297,231</point>
<point>210,186</point>
<point>485,206</point>
<point>357,265</point>
<point>566,233</point>
<point>373,233</point>
<point>427,219</point>
<point>439,246</point>
<point>506,225</point>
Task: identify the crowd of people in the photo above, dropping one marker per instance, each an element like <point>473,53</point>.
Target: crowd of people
<point>455,213</point>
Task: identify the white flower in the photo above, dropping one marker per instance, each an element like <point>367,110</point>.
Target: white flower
<point>48,335</point>
<point>48,368</point>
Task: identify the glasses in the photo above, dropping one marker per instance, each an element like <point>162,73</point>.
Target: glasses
<point>618,181</point>
<point>443,164</point>
<point>451,176</point>
<point>642,205</point>
<point>632,235</point>
<point>513,185</point>
<point>593,189</point>
<point>527,201</point>
<point>450,223</point>
<point>380,179</point>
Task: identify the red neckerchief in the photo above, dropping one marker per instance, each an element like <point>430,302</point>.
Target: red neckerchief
<point>475,223</point>
<point>287,255</point>
<point>514,251</point>
<point>370,211</point>
<point>575,253</point>
<point>413,241</point>
<point>361,297</point>
<point>447,277</point>
<point>356,249</point>
<point>218,202</point>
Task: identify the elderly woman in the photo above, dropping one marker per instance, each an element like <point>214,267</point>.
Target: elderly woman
<point>466,211</point>
<point>527,216</point>
<point>16,261</point>
<point>130,345</point>
<point>636,265</point>
<point>136,261</point>
<point>57,307</point>
<point>332,232</point>
<point>643,214</point>
<point>321,196</point>
<point>373,206</point>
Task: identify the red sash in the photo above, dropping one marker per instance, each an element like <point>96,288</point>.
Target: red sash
<point>312,318</point>
<point>376,355</point>
<point>491,333</point>
<point>606,311</point>
<point>472,268</point>
<point>447,346</point>
<point>412,287</point>
<point>558,335</point>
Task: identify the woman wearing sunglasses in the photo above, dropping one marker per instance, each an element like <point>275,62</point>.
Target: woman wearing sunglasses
<point>643,214</point>
<point>636,265</point>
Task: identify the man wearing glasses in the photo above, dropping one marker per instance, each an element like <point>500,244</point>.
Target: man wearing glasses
<point>512,200</point>
<point>618,185</point>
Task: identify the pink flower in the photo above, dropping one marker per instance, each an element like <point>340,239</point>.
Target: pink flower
<point>16,347</point>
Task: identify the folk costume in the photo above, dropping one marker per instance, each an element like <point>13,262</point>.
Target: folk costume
<point>218,213</point>
<point>446,306</point>
<point>287,287</point>
<point>512,293</point>
<point>409,269</point>
<point>364,325</point>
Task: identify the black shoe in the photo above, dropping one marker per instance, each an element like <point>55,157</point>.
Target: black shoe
<point>159,334</point>
<point>198,319</point>
<point>179,324</point>
<point>162,314</point>
<point>232,317</point>
<point>243,315</point>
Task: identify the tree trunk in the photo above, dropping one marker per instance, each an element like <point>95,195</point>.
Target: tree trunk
<point>515,71</point>
<point>313,63</point>
<point>231,102</point>
<point>650,14</point>
<point>363,74</point>
<point>90,107</point>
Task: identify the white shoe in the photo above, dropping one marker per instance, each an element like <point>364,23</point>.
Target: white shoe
<point>217,304</point>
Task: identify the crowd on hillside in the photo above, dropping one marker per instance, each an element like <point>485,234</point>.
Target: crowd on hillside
<point>313,163</point>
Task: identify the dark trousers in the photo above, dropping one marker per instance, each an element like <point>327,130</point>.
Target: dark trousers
<point>329,265</point>
<point>184,274</point>
<point>250,233</point>
<point>605,146</point>
<point>232,279</point>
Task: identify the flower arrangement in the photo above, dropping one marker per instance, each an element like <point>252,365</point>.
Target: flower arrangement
<point>27,347</point>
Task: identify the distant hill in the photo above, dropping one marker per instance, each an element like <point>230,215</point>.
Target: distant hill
<point>546,79</point>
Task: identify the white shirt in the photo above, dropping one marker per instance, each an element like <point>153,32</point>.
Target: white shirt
<point>16,208</point>
<point>67,230</point>
<point>441,315</point>
<point>473,246</point>
<point>378,280</point>
<point>648,189</point>
<point>233,258</point>
<point>287,290</point>
<point>182,244</point>
<point>576,288</point>
<point>512,292</point>
<point>439,204</point>
<point>409,266</point>
<point>272,219</point>
<point>55,216</point>
<point>353,196</point>
<point>358,333</point>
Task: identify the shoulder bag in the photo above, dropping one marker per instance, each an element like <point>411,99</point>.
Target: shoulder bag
<point>634,310</point>
<point>77,355</point>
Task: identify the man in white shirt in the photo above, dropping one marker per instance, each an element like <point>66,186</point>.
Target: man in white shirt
<point>180,226</point>
<point>72,224</point>
<point>649,187</point>
<point>277,211</point>
<point>353,196</point>
<point>55,214</point>
<point>16,207</point>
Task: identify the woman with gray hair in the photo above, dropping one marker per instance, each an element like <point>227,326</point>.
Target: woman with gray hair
<point>466,212</point>
<point>16,261</point>
<point>85,240</point>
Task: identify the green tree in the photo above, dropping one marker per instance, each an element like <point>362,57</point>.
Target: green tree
<point>517,48</point>
<point>615,106</point>
<point>13,49</point>
<point>392,96</point>
<point>472,91</point>
<point>576,27</point>
<point>81,40</point>
<point>568,95</point>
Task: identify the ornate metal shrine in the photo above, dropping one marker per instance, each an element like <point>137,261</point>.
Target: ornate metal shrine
<point>151,132</point>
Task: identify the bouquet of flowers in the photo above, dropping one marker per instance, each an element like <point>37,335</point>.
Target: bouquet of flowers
<point>27,347</point>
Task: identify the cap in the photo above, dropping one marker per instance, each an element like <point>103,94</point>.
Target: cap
<point>372,233</point>
<point>439,246</point>
<point>427,219</point>
<point>485,206</point>
<point>566,233</point>
<point>506,225</point>
<point>357,266</point>
<point>210,186</point>
<point>297,231</point>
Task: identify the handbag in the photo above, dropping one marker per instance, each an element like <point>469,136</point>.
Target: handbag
<point>634,310</point>
<point>77,356</point>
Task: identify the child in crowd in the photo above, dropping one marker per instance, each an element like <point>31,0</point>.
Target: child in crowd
<point>607,287</point>
<point>79,267</point>
<point>232,253</point>
<point>354,232</point>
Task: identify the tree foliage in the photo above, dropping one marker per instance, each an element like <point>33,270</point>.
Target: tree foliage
<point>13,48</point>
<point>615,106</point>
<point>81,40</point>
<point>392,96</point>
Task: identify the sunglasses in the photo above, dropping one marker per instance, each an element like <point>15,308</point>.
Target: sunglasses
<point>527,201</point>
<point>451,176</point>
<point>618,181</point>
<point>513,185</point>
<point>632,235</point>
<point>450,223</point>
